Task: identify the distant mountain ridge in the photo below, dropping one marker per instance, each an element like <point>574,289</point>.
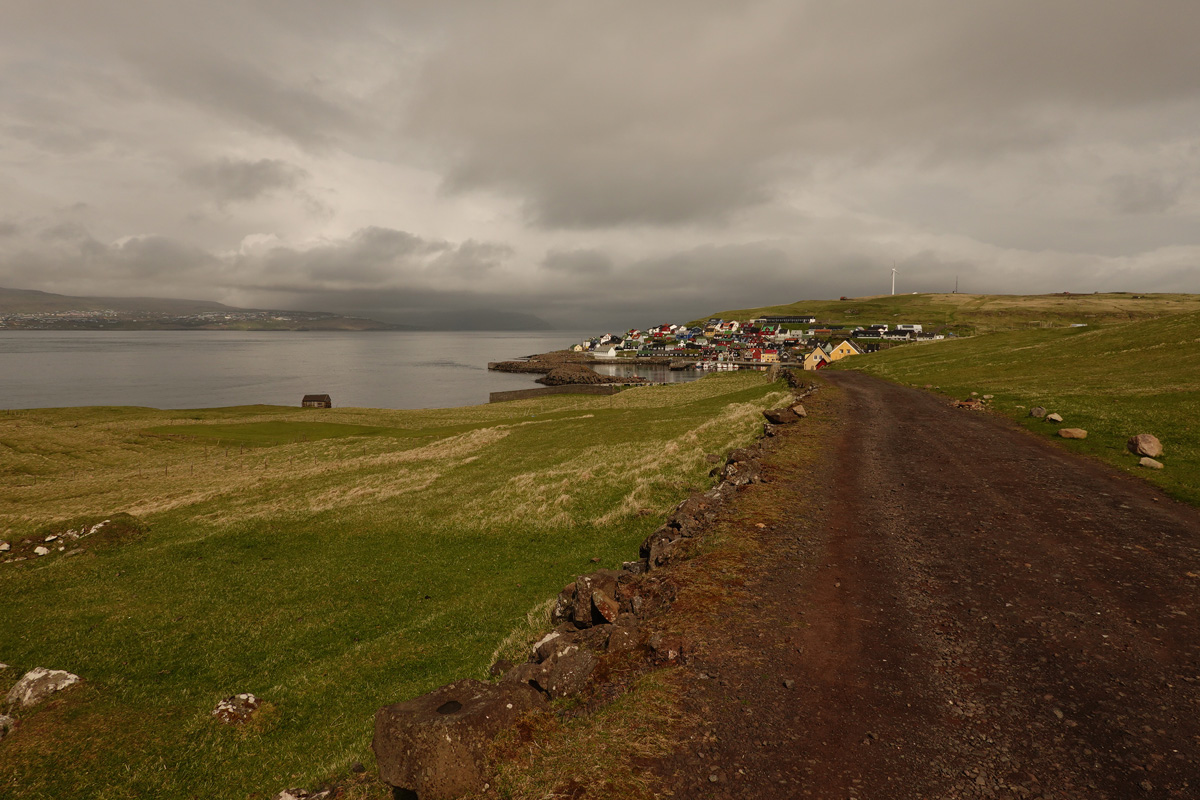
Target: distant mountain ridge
<point>31,301</point>
<point>30,309</point>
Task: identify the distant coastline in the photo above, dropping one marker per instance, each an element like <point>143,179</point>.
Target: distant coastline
<point>31,310</point>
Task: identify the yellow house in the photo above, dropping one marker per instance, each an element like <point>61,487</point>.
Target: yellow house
<point>816,359</point>
<point>846,348</point>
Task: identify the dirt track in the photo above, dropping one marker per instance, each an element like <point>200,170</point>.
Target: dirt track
<point>963,610</point>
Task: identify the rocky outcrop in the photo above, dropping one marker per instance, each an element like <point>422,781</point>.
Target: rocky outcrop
<point>542,362</point>
<point>119,529</point>
<point>581,374</point>
<point>1145,444</point>
<point>236,709</point>
<point>38,684</point>
<point>435,746</point>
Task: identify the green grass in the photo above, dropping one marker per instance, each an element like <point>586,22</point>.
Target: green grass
<point>327,561</point>
<point>973,313</point>
<point>1113,381</point>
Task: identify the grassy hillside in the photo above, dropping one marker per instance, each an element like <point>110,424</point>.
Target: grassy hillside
<point>328,561</point>
<point>978,313</point>
<point>1113,381</point>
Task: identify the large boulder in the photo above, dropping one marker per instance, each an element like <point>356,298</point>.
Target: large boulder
<point>654,545</point>
<point>584,613</point>
<point>626,635</point>
<point>38,684</point>
<point>1038,412</point>
<point>1072,433</point>
<point>1150,463</point>
<point>564,605</point>
<point>1145,444</point>
<point>740,473</point>
<point>569,673</point>
<point>435,746</point>
<point>693,515</point>
<point>605,606</point>
<point>1054,418</point>
<point>780,416</point>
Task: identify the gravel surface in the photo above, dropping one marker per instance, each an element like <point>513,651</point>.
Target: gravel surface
<point>954,609</point>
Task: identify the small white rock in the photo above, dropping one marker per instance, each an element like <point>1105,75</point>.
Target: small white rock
<point>52,537</point>
<point>5,547</point>
<point>40,551</point>
<point>1054,418</point>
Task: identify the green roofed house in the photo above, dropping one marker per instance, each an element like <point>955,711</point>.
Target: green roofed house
<point>316,401</point>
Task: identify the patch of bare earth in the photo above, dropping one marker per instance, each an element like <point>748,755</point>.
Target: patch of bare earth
<point>940,605</point>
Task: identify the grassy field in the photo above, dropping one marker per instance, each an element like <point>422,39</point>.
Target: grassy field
<point>328,561</point>
<point>1113,381</point>
<point>977,313</point>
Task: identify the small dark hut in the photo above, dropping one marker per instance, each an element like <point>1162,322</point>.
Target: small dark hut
<point>316,401</point>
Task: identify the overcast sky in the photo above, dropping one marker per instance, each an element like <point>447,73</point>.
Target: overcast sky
<point>599,163</point>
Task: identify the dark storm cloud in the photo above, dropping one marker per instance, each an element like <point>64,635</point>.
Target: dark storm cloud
<point>600,115</point>
<point>240,91</point>
<point>235,180</point>
<point>578,262</point>
<point>376,256</point>
<point>67,254</point>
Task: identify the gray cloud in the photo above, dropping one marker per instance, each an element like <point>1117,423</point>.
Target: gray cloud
<point>578,262</point>
<point>1145,194</point>
<point>623,113</point>
<point>381,257</point>
<point>235,180</point>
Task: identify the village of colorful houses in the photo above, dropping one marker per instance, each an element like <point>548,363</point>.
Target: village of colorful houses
<point>727,345</point>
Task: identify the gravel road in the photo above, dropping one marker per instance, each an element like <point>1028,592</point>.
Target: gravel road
<point>957,609</point>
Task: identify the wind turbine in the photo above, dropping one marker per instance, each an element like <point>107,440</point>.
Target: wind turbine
<point>893,280</point>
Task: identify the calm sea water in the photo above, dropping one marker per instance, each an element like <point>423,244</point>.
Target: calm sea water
<point>210,369</point>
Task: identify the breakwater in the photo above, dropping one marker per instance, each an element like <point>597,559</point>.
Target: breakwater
<point>571,388</point>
